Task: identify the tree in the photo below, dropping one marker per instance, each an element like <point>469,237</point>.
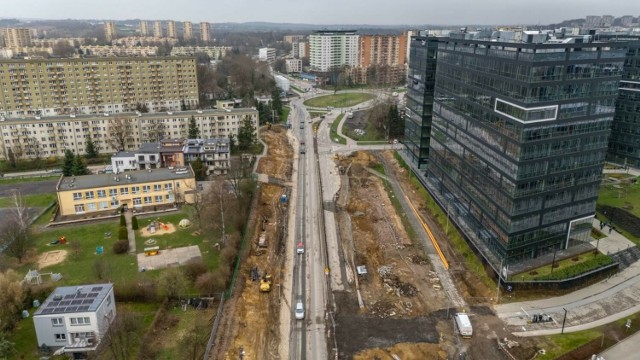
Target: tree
<point>121,335</point>
<point>35,148</point>
<point>7,348</point>
<point>276,103</point>
<point>134,223</point>
<point>69,160</point>
<point>232,143</point>
<point>12,158</point>
<point>239,171</point>
<point>194,132</point>
<point>198,169</point>
<point>246,134</point>
<point>120,133</point>
<point>155,132</point>
<point>79,166</point>
<point>193,342</point>
<point>142,108</point>
<point>15,235</point>
<point>396,123</point>
<point>91,149</point>
<point>172,283</point>
<point>12,295</point>
<point>62,48</point>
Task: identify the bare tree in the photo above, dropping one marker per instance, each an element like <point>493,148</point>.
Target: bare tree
<point>120,133</point>
<point>155,132</point>
<point>12,295</point>
<point>121,334</point>
<point>35,148</point>
<point>239,171</point>
<point>62,48</point>
<point>15,234</point>
<point>172,283</point>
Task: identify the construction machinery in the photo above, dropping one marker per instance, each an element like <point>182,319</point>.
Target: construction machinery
<point>265,283</point>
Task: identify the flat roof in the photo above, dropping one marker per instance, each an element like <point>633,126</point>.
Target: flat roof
<point>74,183</point>
<point>72,299</point>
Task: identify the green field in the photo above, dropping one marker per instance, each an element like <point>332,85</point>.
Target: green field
<point>339,100</point>
<point>624,195</point>
<point>285,114</point>
<point>371,133</point>
<point>333,133</point>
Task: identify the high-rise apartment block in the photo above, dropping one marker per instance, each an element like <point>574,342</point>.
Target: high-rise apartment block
<point>110,30</point>
<point>171,29</point>
<point>205,32</point>
<point>592,21</point>
<point>300,49</point>
<point>382,50</point>
<point>626,20</point>
<point>519,133</point>
<point>144,28</point>
<point>16,37</point>
<point>607,20</point>
<point>46,87</point>
<point>187,30</point>
<point>157,29</point>
<point>331,49</point>
<point>293,38</point>
<point>267,54</point>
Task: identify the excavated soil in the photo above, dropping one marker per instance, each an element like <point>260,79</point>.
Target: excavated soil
<point>277,162</point>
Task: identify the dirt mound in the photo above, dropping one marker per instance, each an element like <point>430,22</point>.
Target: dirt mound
<point>278,161</point>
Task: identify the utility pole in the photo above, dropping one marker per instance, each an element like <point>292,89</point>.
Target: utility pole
<point>564,320</point>
<point>499,279</point>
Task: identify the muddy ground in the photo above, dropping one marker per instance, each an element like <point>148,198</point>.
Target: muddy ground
<point>403,302</point>
<point>251,319</point>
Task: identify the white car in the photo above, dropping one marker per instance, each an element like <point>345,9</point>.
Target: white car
<point>299,310</point>
<point>300,248</point>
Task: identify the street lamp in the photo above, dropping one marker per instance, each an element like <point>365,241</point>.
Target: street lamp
<point>564,320</point>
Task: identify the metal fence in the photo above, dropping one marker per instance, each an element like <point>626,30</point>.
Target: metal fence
<point>214,329</point>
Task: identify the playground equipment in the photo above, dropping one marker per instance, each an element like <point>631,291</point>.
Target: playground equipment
<point>34,277</point>
<point>184,223</point>
<point>151,251</point>
<point>61,240</point>
<point>156,224</point>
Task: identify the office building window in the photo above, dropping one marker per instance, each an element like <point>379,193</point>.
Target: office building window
<point>113,192</point>
<point>124,191</point>
<point>157,187</point>
<point>146,188</point>
<point>89,194</point>
<point>158,198</point>
<point>135,189</point>
<point>102,193</point>
<point>77,196</point>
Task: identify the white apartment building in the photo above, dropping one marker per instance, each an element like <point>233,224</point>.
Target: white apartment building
<point>75,318</point>
<point>187,30</point>
<point>267,54</point>
<point>157,29</point>
<point>16,37</point>
<point>205,32</point>
<point>333,49</point>
<point>144,28</point>
<point>110,50</point>
<point>110,30</point>
<point>171,29</point>
<point>132,41</point>
<point>293,65</point>
<point>75,41</point>
<point>217,155</point>
<point>51,136</point>
<point>124,161</point>
<point>214,52</point>
<point>299,49</point>
<point>31,51</point>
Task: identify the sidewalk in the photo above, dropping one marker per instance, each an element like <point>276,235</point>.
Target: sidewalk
<point>626,349</point>
<point>613,242</point>
<point>128,215</point>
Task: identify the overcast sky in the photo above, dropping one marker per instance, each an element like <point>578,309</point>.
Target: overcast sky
<point>382,12</point>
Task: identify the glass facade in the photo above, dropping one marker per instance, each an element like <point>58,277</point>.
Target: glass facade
<point>420,86</point>
<point>624,145</point>
<point>519,136</point>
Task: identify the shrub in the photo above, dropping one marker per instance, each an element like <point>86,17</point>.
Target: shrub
<point>140,289</point>
<point>577,269</point>
<point>210,283</point>
<point>123,221</point>
<point>228,254</point>
<point>121,246</point>
<point>123,233</point>
<point>194,268</point>
<point>134,223</point>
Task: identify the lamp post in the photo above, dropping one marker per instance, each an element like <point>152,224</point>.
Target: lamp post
<point>564,320</point>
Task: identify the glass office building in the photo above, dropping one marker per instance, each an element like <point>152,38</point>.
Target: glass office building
<point>624,145</point>
<point>420,85</point>
<point>519,137</point>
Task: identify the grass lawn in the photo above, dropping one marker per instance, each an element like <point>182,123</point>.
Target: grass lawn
<point>186,319</point>
<point>20,180</point>
<point>285,114</point>
<point>179,238</point>
<point>339,100</point>
<point>334,131</point>
<point>562,265</point>
<point>563,343</point>
<point>626,197</point>
<point>35,200</point>
<point>315,114</point>
<point>371,133</point>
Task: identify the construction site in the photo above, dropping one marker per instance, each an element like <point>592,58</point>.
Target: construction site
<point>395,303</point>
<point>249,328</point>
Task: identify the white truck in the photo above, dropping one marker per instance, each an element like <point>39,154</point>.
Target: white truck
<point>464,325</point>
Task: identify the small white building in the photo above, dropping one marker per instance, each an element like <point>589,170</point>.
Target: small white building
<point>267,54</point>
<point>282,83</point>
<point>217,156</point>
<point>123,161</point>
<point>75,318</point>
<point>293,65</point>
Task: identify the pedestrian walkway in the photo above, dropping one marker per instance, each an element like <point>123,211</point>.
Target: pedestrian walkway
<point>128,215</point>
<point>626,349</point>
<point>613,242</point>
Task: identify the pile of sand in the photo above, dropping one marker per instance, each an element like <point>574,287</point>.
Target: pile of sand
<point>168,228</point>
<point>51,258</point>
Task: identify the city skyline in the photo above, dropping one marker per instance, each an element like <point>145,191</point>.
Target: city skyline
<point>376,12</point>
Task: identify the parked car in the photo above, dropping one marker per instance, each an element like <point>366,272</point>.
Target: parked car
<point>299,310</point>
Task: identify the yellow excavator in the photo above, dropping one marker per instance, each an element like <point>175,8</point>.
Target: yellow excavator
<point>265,283</point>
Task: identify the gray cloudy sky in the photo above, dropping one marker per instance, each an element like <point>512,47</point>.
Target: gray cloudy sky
<point>383,12</point>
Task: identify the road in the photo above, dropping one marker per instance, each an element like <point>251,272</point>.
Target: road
<point>308,340</point>
<point>626,349</point>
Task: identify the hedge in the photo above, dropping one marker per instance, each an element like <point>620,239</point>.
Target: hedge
<point>134,223</point>
<point>577,269</point>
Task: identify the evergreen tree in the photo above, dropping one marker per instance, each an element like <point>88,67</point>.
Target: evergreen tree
<point>91,149</point>
<point>232,143</point>
<point>194,132</point>
<point>396,124</point>
<point>12,158</point>
<point>67,167</point>
<point>246,134</point>
<point>79,167</point>
<point>198,169</point>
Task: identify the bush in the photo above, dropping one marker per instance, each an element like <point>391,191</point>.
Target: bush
<point>577,269</point>
<point>123,233</point>
<point>134,223</point>
<point>228,254</point>
<point>140,289</point>
<point>121,246</point>
<point>210,283</point>
<point>194,268</point>
<point>123,221</point>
